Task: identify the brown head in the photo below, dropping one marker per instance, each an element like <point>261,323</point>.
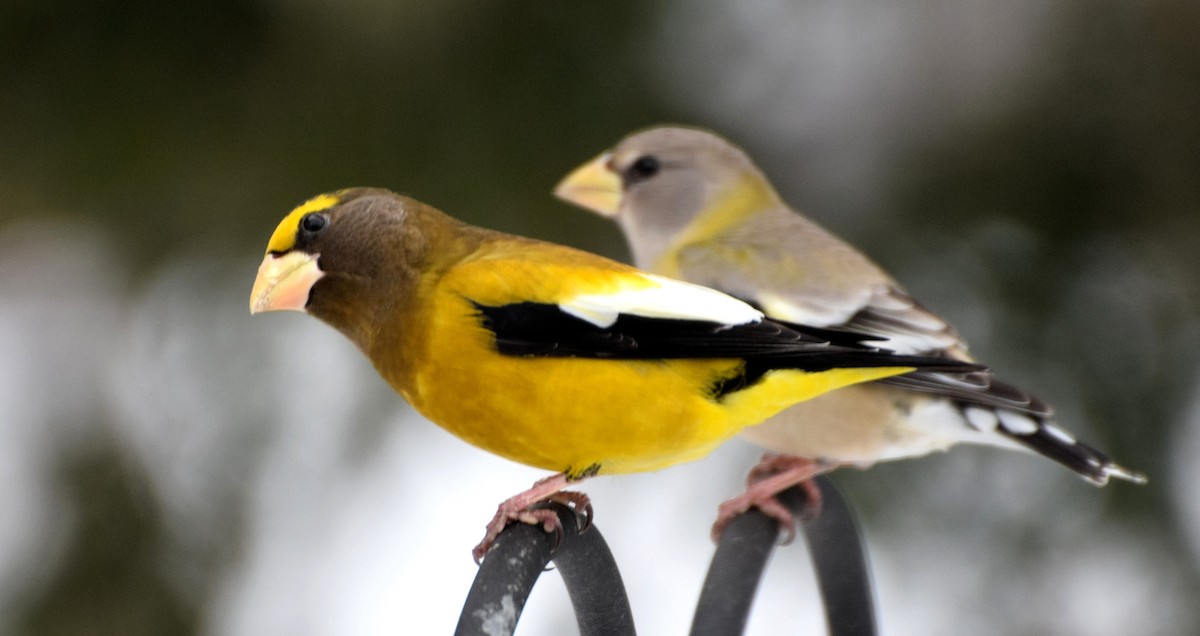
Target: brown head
<point>349,258</point>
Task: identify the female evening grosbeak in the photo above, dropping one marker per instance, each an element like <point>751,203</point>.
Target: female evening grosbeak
<point>543,354</point>
<point>694,207</point>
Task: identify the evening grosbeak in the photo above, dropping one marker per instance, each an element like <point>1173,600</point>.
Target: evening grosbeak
<point>695,207</point>
<point>543,354</point>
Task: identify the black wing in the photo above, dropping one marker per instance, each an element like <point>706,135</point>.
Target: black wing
<point>973,389</point>
<point>536,329</point>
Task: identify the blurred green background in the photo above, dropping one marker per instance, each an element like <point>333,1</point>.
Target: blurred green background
<point>1031,170</point>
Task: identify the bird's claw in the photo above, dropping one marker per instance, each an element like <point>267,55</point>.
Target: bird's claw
<point>578,502</point>
<point>762,494</point>
<point>769,506</point>
<point>539,514</point>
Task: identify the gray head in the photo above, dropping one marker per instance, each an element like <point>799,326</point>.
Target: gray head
<point>664,181</point>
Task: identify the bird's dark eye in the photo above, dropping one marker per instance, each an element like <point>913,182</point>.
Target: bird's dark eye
<point>645,167</point>
<point>313,223</point>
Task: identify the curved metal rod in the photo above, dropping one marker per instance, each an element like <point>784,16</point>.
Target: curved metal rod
<point>594,584</point>
<point>838,557</point>
<point>843,571</point>
<point>520,555</point>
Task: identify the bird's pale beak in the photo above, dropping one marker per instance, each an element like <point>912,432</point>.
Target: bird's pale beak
<point>594,186</point>
<point>284,282</point>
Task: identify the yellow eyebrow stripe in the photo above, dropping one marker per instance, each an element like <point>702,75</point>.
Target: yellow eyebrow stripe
<point>284,236</point>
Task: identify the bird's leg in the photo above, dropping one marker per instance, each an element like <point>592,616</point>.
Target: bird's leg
<point>519,508</point>
<point>773,475</point>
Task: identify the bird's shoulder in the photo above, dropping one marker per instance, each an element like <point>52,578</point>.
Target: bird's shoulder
<point>512,271</point>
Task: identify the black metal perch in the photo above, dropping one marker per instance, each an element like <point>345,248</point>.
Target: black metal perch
<point>597,593</point>
<point>843,572</point>
<point>837,554</point>
<point>520,555</point>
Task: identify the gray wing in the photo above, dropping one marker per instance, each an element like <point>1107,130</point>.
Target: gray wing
<point>798,272</point>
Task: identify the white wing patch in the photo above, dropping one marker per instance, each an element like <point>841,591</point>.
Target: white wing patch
<point>913,344</point>
<point>781,308</point>
<point>935,425</point>
<point>666,298</point>
<point>881,311</point>
<point>1016,423</point>
<point>1059,434</point>
<point>983,419</point>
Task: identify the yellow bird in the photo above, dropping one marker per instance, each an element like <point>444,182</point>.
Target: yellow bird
<point>695,207</point>
<point>543,354</point>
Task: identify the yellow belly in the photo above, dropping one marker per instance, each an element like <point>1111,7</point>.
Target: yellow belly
<point>577,415</point>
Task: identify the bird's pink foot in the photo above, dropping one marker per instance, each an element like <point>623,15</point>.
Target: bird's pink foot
<point>773,475</point>
<point>525,508</point>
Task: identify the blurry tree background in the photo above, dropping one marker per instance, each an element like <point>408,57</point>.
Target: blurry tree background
<point>1029,169</point>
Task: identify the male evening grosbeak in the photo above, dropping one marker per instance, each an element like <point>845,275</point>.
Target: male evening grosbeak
<point>694,207</point>
<point>543,354</point>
